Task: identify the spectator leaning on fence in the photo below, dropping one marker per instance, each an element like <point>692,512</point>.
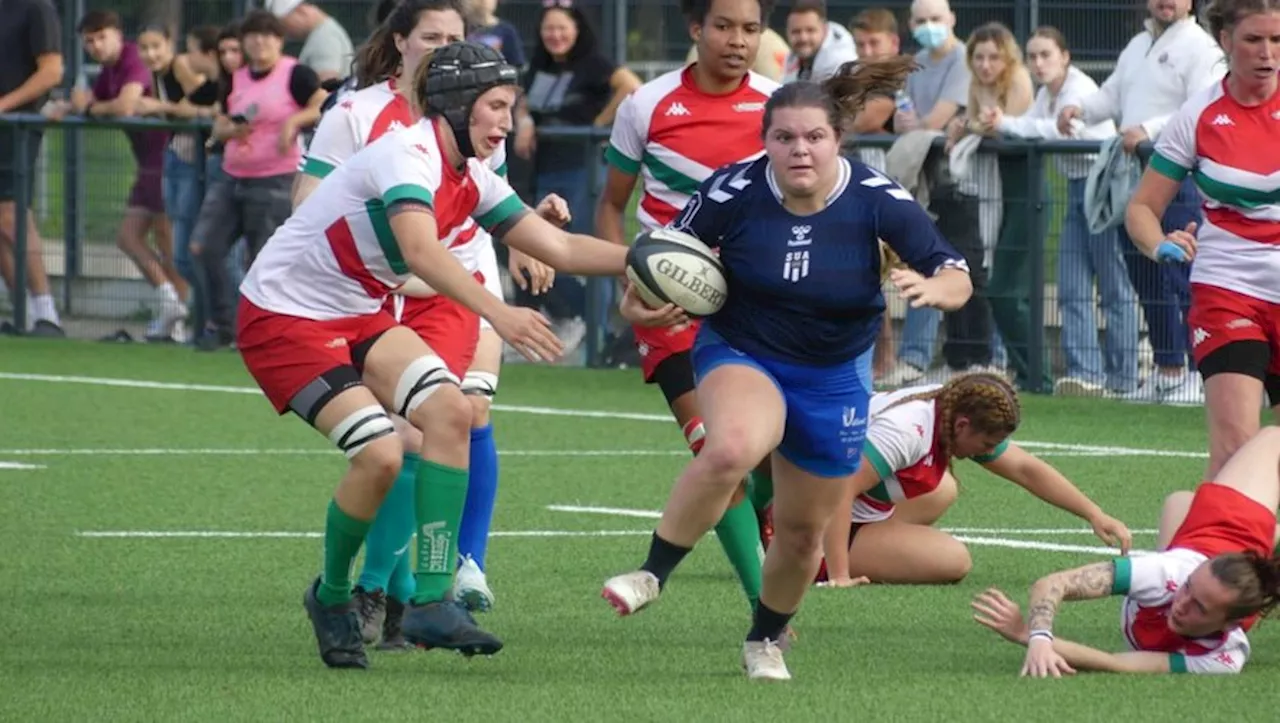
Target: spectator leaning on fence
<point>179,90</point>
<point>1000,80</point>
<point>122,82</point>
<point>569,82</point>
<point>1171,60</point>
<point>326,47</point>
<point>939,91</point>
<point>30,66</point>
<point>269,101</point>
<point>818,47</point>
<point>1083,258</point>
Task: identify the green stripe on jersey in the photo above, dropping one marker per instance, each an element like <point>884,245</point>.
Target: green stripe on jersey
<point>883,469</point>
<point>498,215</point>
<point>880,492</point>
<point>1238,196</point>
<point>995,453</point>
<point>615,158</point>
<point>1122,577</point>
<point>1165,167</point>
<point>670,177</point>
<point>502,170</point>
<point>1177,663</point>
<point>377,211</point>
<point>313,167</point>
<point>408,192</point>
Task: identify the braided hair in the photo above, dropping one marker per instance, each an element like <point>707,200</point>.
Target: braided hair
<point>987,400</point>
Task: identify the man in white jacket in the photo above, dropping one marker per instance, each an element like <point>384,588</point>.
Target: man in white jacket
<point>1172,59</point>
<point>818,47</point>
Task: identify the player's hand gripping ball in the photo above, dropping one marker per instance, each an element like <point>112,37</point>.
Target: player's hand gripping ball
<point>672,267</point>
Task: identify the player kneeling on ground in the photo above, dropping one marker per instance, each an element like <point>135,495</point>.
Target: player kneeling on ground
<point>315,335</point>
<point>1186,608</point>
<point>904,483</point>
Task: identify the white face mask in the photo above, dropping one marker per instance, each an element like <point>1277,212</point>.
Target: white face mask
<point>930,35</point>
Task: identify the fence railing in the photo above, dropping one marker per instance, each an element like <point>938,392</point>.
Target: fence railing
<point>1031,199</point>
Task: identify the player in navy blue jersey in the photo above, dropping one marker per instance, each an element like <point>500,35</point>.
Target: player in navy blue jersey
<point>785,366</point>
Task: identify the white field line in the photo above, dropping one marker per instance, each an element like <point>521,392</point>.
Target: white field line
<point>260,535</point>
<point>537,534</point>
<point>20,465</point>
<point>1044,447</point>
<point>655,514</point>
<point>144,452</point>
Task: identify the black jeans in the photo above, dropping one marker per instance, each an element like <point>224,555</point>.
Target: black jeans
<point>968,328</point>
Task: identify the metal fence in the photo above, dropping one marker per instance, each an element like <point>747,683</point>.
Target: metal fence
<point>1041,267</point>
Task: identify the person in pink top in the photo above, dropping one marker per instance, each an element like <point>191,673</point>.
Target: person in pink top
<point>123,81</point>
<point>267,103</point>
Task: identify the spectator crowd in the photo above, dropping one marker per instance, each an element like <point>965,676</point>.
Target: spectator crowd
<point>205,201</point>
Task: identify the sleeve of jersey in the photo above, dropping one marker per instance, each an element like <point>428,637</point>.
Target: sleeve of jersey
<point>1175,152</point>
<point>626,143</point>
<point>499,207</point>
<point>905,226</point>
<point>894,441</point>
<point>1227,660</point>
<point>404,175</point>
<point>1145,578</point>
<point>336,140</point>
<point>705,215</point>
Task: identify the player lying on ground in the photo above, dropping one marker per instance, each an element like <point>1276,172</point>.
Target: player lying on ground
<point>671,134</point>
<point>785,365</point>
<point>1186,608</point>
<point>384,69</point>
<point>316,337</point>
<point>914,436</point>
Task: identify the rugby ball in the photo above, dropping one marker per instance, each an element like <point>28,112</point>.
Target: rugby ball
<point>672,267</point>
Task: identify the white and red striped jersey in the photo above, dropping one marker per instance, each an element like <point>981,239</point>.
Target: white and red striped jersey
<point>673,135</point>
<point>1231,152</point>
<point>336,256</point>
<point>1148,583</point>
<point>903,445</point>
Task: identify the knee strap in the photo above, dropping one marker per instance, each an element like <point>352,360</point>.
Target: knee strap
<point>420,380</point>
<point>484,384</point>
<point>360,429</point>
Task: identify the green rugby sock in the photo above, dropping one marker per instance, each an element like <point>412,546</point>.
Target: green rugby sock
<point>759,489</point>
<point>739,535</point>
<point>343,535</point>
<point>441,494</point>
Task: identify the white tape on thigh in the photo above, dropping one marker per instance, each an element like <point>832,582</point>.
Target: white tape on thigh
<point>420,380</point>
<point>360,428</point>
<point>482,383</point>
<point>397,306</point>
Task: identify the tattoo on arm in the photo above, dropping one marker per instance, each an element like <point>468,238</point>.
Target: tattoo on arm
<point>1083,583</point>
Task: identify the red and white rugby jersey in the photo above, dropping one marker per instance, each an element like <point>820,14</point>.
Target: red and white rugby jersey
<point>1232,153</point>
<point>903,446</point>
<point>363,117</point>
<point>336,256</point>
<point>1149,583</point>
<point>674,135</point>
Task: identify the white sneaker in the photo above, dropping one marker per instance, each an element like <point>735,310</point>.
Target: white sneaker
<point>901,375</point>
<point>763,661</point>
<point>1181,391</point>
<point>1077,387</point>
<point>630,592</point>
<point>471,588</point>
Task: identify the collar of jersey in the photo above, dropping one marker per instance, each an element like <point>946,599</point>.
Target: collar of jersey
<point>446,168</point>
<point>846,171</point>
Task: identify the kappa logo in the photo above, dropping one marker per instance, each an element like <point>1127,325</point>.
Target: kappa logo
<point>1222,119</point>
<point>422,149</point>
<point>800,236</point>
<point>337,343</point>
<point>346,105</point>
<point>1199,336</point>
<point>677,109</point>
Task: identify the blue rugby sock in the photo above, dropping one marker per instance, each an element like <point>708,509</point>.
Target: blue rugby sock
<point>482,493</point>
<point>392,530</point>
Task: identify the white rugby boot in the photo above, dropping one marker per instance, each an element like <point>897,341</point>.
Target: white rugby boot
<point>630,592</point>
<point>471,587</point>
<point>762,660</point>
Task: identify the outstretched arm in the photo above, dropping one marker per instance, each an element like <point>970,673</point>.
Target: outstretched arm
<point>1042,480</point>
<point>996,611</point>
